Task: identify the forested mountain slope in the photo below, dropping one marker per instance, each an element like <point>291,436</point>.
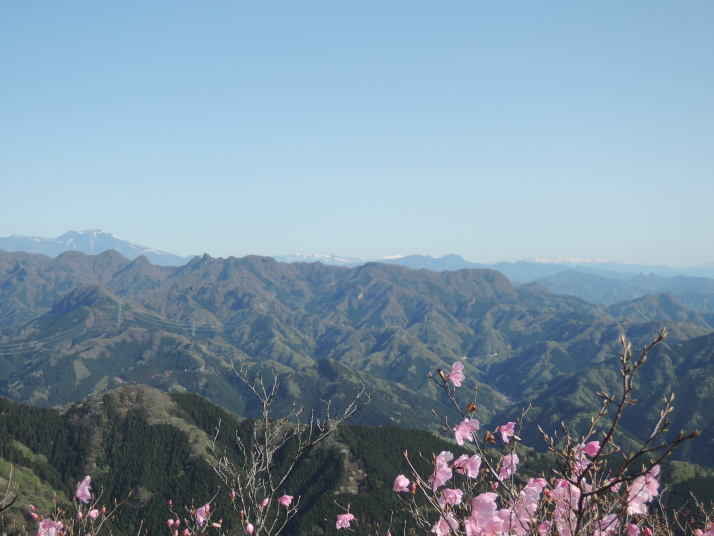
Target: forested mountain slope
<point>79,325</point>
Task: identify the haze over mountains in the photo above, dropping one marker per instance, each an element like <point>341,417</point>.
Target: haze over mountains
<point>596,280</point>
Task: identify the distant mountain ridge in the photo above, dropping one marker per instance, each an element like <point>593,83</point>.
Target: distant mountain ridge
<point>95,241</point>
<point>594,280</point>
<point>91,242</point>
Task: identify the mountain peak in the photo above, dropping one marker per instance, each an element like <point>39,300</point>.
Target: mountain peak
<point>90,242</point>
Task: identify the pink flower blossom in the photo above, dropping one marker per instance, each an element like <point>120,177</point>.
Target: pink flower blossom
<point>401,483</point>
<point>49,527</point>
<point>484,505</point>
<point>642,490</point>
<point>509,464</point>
<point>343,520</point>
<point>464,431</point>
<point>82,492</point>
<point>456,375</point>
<point>544,528</point>
<point>450,497</point>
<point>201,514</point>
<point>93,513</point>
<point>442,473</point>
<point>285,500</point>
<point>445,525</point>
<point>633,530</point>
<point>170,523</point>
<point>264,502</point>
<point>444,457</point>
<point>249,528</point>
<point>507,431</point>
<point>591,449</point>
<point>469,466</point>
<point>606,525</point>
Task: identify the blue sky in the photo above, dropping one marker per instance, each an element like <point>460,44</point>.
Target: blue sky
<point>494,130</point>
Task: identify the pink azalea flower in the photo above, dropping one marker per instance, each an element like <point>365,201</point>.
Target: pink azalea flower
<point>442,473</point>
<point>507,431</point>
<point>93,513</point>
<point>509,464</point>
<point>642,490</point>
<point>469,466</point>
<point>82,492</point>
<point>464,431</point>
<point>633,530</point>
<point>444,457</point>
<point>445,525</point>
<point>484,505</point>
<point>456,375</point>
<point>607,525</point>
<point>592,448</point>
<point>201,514</point>
<point>401,483</point>
<point>343,520</point>
<point>285,500</point>
<point>450,497</point>
<point>49,527</point>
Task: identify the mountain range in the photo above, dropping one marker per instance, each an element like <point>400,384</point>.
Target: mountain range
<point>78,326</point>
<point>91,242</point>
<point>96,241</point>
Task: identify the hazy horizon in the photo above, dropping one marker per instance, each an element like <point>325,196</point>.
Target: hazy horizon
<point>331,257</point>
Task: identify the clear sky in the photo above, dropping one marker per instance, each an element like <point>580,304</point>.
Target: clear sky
<point>364,128</point>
